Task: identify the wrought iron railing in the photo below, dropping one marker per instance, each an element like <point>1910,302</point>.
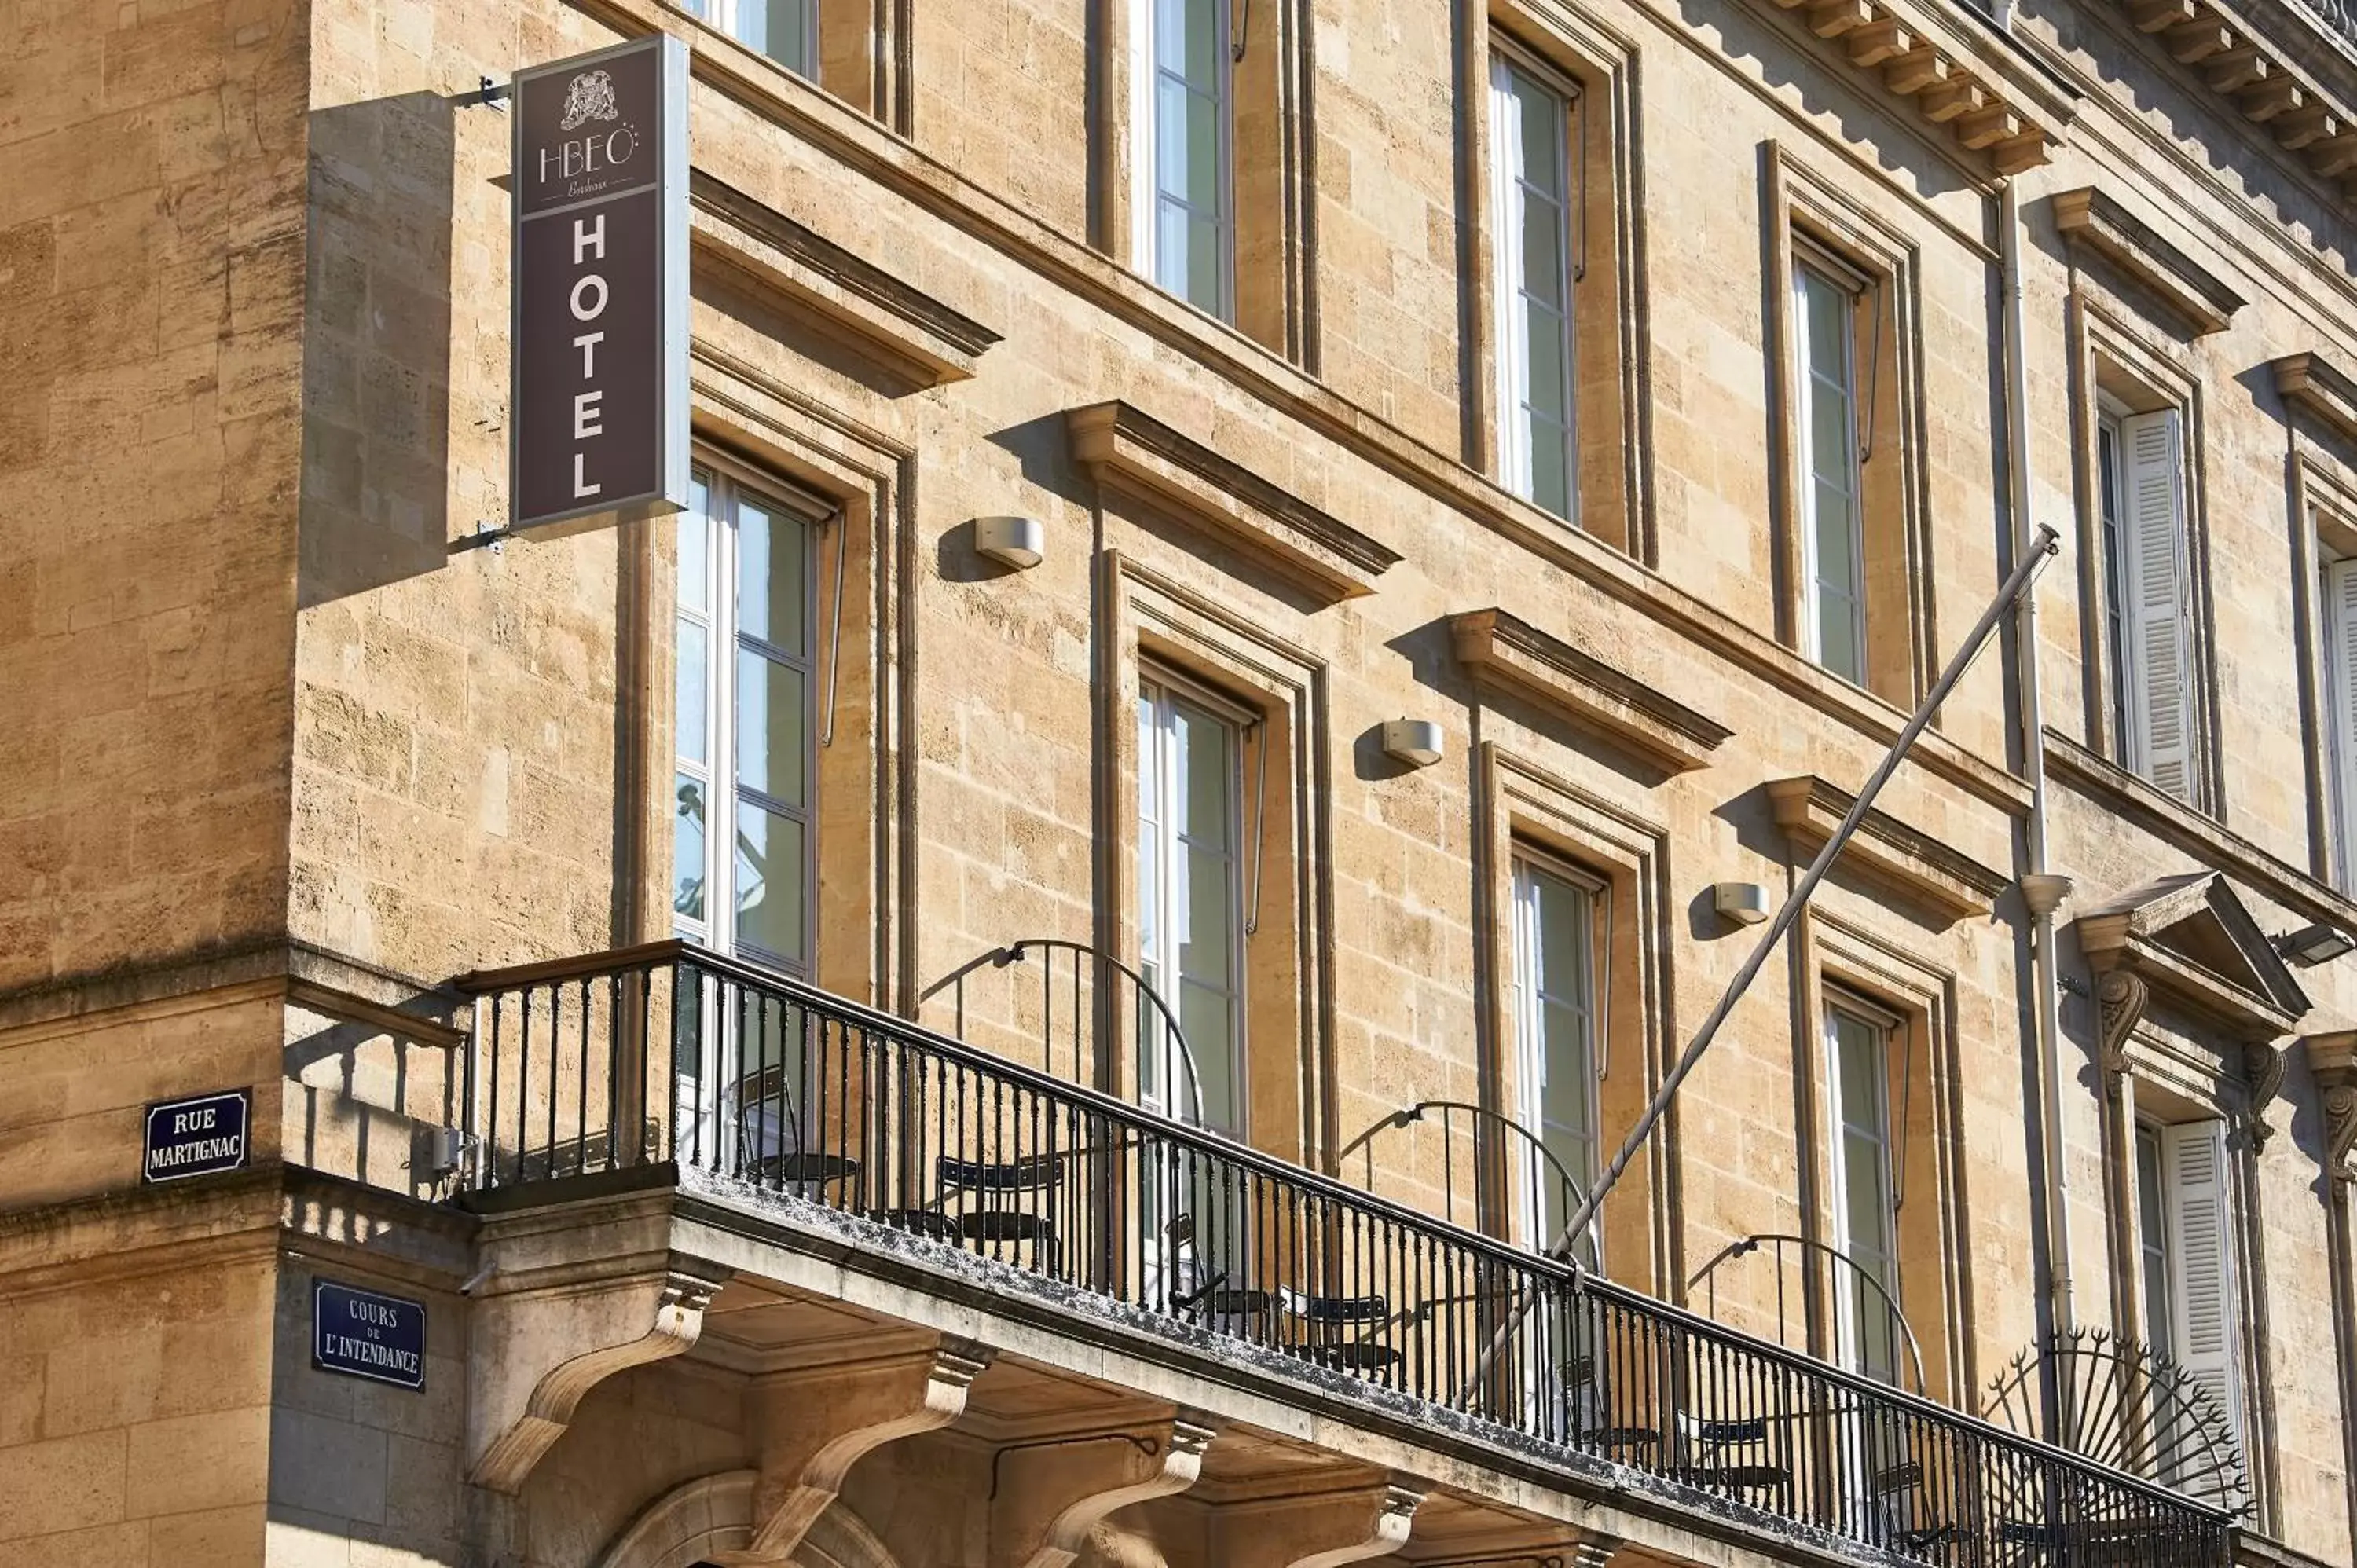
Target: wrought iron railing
<point>668,1054</point>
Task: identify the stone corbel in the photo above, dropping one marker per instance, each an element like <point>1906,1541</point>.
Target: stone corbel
<point>1046,1518</point>
<point>2333,1058</point>
<point>1326,1529</point>
<point>536,1348</point>
<point>2120,999</point>
<point>2263,1070</point>
<point>819,1422</point>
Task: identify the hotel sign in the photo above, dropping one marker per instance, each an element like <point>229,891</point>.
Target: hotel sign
<point>195,1137</point>
<point>363,1335</point>
<point>599,334</point>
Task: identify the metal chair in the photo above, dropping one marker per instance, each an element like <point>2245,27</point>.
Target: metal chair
<point>1001,1219</point>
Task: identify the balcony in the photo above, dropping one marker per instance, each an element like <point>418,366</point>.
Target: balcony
<point>680,1065</point>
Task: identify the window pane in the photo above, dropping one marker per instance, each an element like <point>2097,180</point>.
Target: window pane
<point>1827,328</point>
<point>1206,759</point>
<point>1199,180</point>
<point>772,755</point>
<point>1207,1019</point>
<point>689,716</point>
<point>775,28</point>
<point>1550,371</point>
<point>687,850</point>
<point>1550,468</point>
<point>769,866</point>
<point>1543,245</point>
<point>1187,40</point>
<point>771,585</point>
<point>1542,136</point>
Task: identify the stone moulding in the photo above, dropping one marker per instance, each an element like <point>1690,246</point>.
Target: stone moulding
<point>2307,382</point>
<point>853,299</point>
<point>1941,878</point>
<point>1989,93</point>
<point>2095,220</point>
<point>1515,656</point>
<point>2266,80</point>
<point>1124,449</point>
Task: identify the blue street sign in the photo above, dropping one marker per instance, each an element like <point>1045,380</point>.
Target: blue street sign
<point>197,1137</point>
<point>364,1334</point>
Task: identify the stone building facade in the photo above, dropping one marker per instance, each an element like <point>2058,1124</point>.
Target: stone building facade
<point>1646,397</point>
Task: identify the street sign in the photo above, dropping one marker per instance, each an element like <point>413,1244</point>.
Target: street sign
<point>364,1334</point>
<point>598,419</point>
<point>195,1137</point>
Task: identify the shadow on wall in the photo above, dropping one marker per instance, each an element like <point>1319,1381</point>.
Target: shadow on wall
<point>377,346</point>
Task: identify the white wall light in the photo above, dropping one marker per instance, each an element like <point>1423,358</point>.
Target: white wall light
<point>1416,741</point>
<point>1745,903</point>
<point>1017,541</point>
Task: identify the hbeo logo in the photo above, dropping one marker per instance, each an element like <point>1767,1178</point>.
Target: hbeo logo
<point>589,97</point>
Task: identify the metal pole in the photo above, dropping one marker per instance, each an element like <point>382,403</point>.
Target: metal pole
<point>2025,572</point>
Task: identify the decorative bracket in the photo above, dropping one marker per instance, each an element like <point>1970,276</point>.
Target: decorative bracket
<point>536,1348</point>
<point>1295,1533</point>
<point>2333,1059</point>
<point>823,1420</point>
<point>2120,999</point>
<point>1085,1489</point>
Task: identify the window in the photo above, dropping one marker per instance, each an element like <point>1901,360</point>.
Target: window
<point>1825,299</point>
<point>785,31</point>
<point>1532,193</point>
<point>1866,1215</point>
<point>2148,612</point>
<point>2185,1243</point>
<point>1554,1030</point>
<point>2340,618</point>
<point>1183,108</point>
<point>741,851</point>
<point>1190,896</point>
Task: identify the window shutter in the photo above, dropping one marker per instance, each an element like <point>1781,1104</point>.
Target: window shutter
<point>1511,347</point>
<point>2209,1344</point>
<point>2157,617</point>
<point>2340,681</point>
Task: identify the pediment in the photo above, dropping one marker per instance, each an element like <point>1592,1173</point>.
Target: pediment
<point>1124,448</point>
<point>1937,876</point>
<point>2191,937</point>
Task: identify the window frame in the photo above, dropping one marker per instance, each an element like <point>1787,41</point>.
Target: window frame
<point>719,621</point>
<point>1165,689</point>
<point>1890,1032</point>
<point>1147,193</point>
<point>2337,647</point>
<point>1516,443</point>
<point>1812,261</point>
<point>1525,864</point>
<point>724,14</point>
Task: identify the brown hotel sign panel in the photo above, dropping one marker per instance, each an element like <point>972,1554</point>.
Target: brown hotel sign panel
<point>599,330</point>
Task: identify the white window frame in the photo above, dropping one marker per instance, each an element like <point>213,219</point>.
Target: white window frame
<point>1889,1034</point>
<point>2337,604</point>
<point>717,929</point>
<point>2150,612</point>
<point>1147,195</point>
<point>1809,262</point>
<point>1519,424</point>
<point>1163,692</point>
<point>1531,1042</point>
<point>729,16</point>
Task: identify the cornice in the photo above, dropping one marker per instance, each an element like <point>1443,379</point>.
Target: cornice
<point>2100,223</point>
<point>2308,380</point>
<point>1989,92</point>
<point>1516,656</point>
<point>850,298</point>
<point>2209,842</point>
<point>2333,1058</point>
<point>1127,449</point>
<point>2258,75</point>
<point>1937,876</point>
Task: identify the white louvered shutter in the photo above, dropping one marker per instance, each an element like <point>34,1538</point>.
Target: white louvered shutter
<point>2209,1342</point>
<point>2157,617</point>
<point>2340,681</point>
<point>1512,345</point>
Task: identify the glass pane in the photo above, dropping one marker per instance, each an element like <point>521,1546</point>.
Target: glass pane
<point>696,547</point>
<point>771,587</point>
<point>775,28</point>
<point>1827,329</point>
<point>1171,250</point>
<point>1542,136</point>
<point>769,881</point>
<point>1831,453</point>
<point>1550,468</point>
<point>1186,39</point>
<point>1837,637</point>
<point>1205,245</point>
<point>689,716</point>
<point>687,850</point>
<point>1199,181</point>
<point>1206,942</point>
<point>1206,761</point>
<point>772,755</point>
<point>1550,367</point>
<point>1858,1045</point>
<point>1207,1018</point>
<point>1869,1204</point>
<point>1543,245</point>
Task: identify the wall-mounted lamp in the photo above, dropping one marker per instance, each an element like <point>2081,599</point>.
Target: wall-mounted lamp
<point>1745,903</point>
<point>1017,541</point>
<point>1416,741</point>
<point>2312,945</point>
